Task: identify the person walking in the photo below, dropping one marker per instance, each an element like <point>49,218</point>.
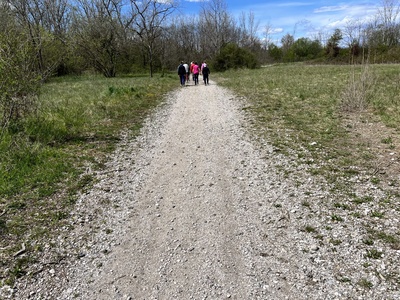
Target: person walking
<point>205,72</point>
<point>202,66</point>
<point>196,70</point>
<point>182,73</point>
<point>187,71</point>
<point>191,69</point>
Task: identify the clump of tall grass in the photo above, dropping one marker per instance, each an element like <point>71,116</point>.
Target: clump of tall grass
<point>357,93</point>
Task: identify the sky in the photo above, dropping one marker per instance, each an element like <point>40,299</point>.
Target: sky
<point>300,18</point>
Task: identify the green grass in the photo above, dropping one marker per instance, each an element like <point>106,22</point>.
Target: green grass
<point>373,253</point>
<point>44,156</point>
<point>307,112</point>
<point>310,229</point>
<point>336,218</point>
<point>365,283</point>
<point>388,238</point>
<point>300,107</point>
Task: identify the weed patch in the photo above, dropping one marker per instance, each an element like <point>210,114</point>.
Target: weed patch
<point>374,254</point>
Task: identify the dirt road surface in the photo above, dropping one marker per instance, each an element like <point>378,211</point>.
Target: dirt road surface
<point>197,208</point>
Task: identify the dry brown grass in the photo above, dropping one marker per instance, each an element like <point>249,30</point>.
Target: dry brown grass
<point>357,93</point>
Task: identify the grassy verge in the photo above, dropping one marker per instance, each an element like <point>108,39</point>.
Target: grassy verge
<point>43,158</point>
<point>341,123</point>
<point>302,110</point>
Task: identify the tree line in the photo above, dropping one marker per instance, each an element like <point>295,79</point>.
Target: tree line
<point>376,40</point>
<point>115,36</point>
<point>44,38</point>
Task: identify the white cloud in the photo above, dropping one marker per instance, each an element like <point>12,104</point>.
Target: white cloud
<point>339,16</point>
<point>339,23</point>
<point>276,30</point>
<point>165,1</point>
<point>292,4</point>
<point>325,9</point>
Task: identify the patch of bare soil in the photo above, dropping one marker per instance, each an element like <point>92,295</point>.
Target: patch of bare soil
<point>383,142</point>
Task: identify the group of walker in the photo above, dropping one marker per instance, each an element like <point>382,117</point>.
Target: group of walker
<point>184,71</point>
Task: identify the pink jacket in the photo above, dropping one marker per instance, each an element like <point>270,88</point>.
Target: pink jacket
<point>195,69</point>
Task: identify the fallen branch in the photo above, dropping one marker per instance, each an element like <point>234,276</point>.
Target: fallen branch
<point>22,251</point>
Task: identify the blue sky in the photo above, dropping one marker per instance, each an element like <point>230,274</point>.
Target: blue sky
<point>300,18</point>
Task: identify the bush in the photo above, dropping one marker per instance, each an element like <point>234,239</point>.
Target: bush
<point>306,49</point>
<point>357,93</point>
<point>19,83</point>
<point>233,57</point>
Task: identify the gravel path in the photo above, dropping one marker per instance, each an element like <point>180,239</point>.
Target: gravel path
<point>197,208</point>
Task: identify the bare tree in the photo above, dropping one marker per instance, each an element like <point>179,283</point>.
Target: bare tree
<point>388,15</point>
<point>45,22</point>
<point>248,28</point>
<point>267,33</point>
<point>150,22</point>
<point>353,33</point>
<point>57,17</point>
<point>99,32</point>
<point>217,27</point>
<point>187,36</point>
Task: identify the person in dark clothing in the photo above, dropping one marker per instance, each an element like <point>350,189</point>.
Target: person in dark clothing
<point>206,72</point>
<point>182,73</point>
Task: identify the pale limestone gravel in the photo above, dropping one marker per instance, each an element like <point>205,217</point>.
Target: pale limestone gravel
<point>197,207</point>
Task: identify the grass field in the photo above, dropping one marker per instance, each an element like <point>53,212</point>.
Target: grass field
<point>310,110</point>
<point>341,123</point>
<point>306,111</point>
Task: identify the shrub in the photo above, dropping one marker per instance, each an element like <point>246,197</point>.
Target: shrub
<point>233,57</point>
<point>306,49</point>
<point>356,94</point>
<point>19,82</point>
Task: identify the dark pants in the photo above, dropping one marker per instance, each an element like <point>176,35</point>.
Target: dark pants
<point>205,78</point>
<point>183,78</point>
<point>196,78</point>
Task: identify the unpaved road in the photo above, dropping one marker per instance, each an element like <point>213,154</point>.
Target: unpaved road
<point>196,208</point>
